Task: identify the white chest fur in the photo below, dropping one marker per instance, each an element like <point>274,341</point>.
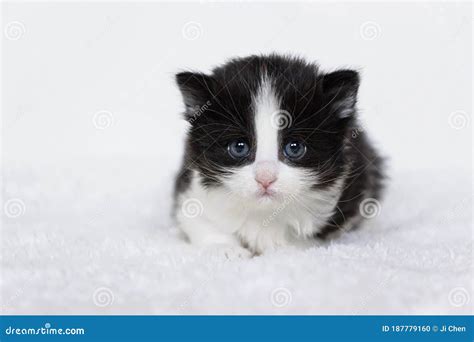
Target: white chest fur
<point>219,217</point>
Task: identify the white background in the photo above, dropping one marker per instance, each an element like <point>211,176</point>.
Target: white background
<point>85,220</point>
<point>76,60</point>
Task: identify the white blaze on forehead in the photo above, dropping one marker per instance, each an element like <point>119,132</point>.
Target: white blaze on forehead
<point>265,104</point>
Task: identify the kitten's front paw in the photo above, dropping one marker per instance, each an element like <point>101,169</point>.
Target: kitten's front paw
<point>228,251</point>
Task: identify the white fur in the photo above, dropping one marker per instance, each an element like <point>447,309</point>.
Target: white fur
<point>265,105</point>
<point>236,212</point>
<point>264,224</point>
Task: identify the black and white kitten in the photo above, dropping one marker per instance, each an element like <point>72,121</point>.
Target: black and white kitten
<point>270,157</point>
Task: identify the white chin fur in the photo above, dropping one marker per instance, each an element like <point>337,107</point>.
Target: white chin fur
<point>234,212</point>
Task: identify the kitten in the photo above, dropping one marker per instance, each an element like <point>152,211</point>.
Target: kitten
<point>273,156</point>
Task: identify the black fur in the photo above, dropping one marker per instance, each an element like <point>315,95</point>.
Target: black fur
<point>323,112</point>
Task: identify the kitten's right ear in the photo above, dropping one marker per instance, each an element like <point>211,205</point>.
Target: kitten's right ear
<point>196,88</point>
<point>340,89</point>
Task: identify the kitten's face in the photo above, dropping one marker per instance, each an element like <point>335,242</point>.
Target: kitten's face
<point>266,128</point>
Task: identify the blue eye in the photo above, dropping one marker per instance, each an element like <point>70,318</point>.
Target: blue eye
<point>238,149</point>
<point>294,150</point>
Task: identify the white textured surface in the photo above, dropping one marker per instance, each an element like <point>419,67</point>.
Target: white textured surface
<point>90,224</point>
<point>99,224</point>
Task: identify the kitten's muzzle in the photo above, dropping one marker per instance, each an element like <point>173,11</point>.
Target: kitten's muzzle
<point>266,174</point>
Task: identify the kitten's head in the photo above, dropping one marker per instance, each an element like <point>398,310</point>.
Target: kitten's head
<point>268,127</point>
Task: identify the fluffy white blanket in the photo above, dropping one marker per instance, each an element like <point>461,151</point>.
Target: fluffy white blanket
<point>96,237</point>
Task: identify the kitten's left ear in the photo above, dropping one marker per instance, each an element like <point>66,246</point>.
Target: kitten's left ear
<point>196,88</point>
<point>340,91</point>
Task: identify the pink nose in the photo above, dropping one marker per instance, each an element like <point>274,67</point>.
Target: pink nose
<point>266,173</point>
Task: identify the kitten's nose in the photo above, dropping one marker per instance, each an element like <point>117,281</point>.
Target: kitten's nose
<point>266,173</point>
